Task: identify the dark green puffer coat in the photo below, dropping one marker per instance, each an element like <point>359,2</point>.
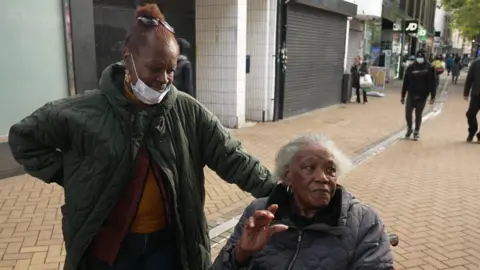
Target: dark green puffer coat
<point>87,145</point>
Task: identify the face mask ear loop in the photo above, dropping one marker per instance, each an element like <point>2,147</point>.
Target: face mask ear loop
<point>134,68</point>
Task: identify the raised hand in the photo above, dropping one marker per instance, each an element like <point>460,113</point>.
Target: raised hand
<point>257,233</point>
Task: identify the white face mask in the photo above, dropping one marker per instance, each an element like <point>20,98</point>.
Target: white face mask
<point>420,60</point>
<point>146,94</point>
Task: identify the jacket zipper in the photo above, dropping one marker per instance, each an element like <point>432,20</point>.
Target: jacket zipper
<point>163,191</point>
<point>299,242</point>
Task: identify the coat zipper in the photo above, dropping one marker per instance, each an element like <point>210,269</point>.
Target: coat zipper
<point>299,242</point>
<point>163,191</point>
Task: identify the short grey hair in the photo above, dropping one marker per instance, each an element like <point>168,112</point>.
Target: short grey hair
<point>288,151</point>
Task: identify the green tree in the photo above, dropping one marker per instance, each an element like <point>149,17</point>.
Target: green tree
<point>465,16</point>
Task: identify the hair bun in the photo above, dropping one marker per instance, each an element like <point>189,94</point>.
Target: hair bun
<point>150,11</point>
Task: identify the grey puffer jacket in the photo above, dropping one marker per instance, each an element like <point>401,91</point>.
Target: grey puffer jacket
<point>347,235</point>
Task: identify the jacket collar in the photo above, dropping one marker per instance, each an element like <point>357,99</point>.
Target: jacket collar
<point>334,215</point>
<point>111,85</point>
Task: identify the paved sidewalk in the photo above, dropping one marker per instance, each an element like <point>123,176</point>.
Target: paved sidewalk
<point>427,192</point>
<point>30,229</point>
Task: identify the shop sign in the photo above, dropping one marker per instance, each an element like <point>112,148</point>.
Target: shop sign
<point>397,26</point>
<point>422,34</point>
<point>411,27</point>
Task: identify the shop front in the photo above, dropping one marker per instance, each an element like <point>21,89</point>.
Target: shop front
<point>372,41</point>
<point>313,80</point>
<point>35,60</point>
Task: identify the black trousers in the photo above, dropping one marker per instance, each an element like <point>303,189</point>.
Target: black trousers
<point>417,105</point>
<point>472,112</point>
<point>357,91</point>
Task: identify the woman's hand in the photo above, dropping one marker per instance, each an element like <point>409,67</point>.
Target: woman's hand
<point>257,233</point>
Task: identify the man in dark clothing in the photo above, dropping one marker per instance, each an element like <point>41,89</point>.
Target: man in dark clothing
<point>183,74</point>
<point>472,89</point>
<point>419,82</point>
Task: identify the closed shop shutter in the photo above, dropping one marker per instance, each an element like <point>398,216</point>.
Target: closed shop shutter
<point>316,47</point>
<point>355,39</point>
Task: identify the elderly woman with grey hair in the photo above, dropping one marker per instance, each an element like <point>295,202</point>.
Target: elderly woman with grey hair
<point>309,221</point>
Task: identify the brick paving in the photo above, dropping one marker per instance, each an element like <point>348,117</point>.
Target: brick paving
<point>427,193</point>
<point>30,229</point>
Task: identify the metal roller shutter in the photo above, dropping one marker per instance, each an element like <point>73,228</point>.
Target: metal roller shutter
<point>355,39</point>
<point>316,47</point>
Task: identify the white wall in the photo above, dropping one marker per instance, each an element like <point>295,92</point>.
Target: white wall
<point>221,49</point>
<point>439,20</point>
<point>226,31</point>
<point>368,8</point>
<point>259,46</point>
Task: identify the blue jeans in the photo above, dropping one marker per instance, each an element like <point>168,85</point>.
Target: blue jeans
<point>153,251</point>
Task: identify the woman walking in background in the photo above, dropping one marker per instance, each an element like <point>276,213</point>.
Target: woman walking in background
<point>456,66</point>
<point>449,63</point>
<point>358,70</point>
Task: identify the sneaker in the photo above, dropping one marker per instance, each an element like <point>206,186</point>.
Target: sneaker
<point>408,134</point>
<point>416,136</point>
<point>478,137</point>
<point>469,138</point>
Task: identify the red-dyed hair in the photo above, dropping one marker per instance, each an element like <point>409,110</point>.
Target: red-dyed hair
<point>140,32</point>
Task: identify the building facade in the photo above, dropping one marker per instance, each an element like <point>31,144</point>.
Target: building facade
<point>239,53</point>
<point>407,26</point>
<point>363,30</point>
<point>312,36</point>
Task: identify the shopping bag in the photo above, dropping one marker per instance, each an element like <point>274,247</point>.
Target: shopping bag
<point>366,81</point>
<point>366,89</point>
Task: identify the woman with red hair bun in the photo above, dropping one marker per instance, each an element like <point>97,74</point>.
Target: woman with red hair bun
<point>131,156</point>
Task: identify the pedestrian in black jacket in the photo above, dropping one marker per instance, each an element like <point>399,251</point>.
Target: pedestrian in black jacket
<point>419,82</point>
<point>472,89</point>
<point>183,74</point>
<point>358,70</point>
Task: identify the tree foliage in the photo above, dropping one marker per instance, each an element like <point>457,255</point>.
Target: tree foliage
<point>465,16</point>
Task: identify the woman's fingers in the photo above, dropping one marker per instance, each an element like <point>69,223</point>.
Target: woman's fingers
<point>277,228</point>
<point>260,218</point>
<point>273,208</point>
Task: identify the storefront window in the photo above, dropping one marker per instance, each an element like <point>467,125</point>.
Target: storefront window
<point>33,57</point>
<point>373,37</point>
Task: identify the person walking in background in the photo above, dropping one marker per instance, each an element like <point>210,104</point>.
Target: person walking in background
<point>183,73</point>
<point>472,90</point>
<point>358,70</point>
<point>465,60</point>
<point>419,82</point>
<point>449,63</point>
<point>439,67</point>
<point>456,67</point>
